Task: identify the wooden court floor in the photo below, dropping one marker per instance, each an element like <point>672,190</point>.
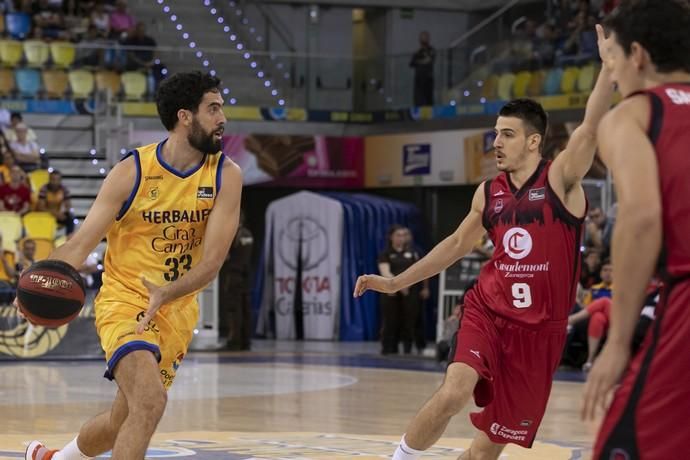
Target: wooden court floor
<point>283,401</point>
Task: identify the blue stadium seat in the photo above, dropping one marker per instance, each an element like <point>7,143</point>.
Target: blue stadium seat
<point>28,82</point>
<point>552,82</point>
<point>18,25</point>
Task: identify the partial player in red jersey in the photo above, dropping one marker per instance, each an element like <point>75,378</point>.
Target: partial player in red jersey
<point>645,142</point>
<point>514,322</point>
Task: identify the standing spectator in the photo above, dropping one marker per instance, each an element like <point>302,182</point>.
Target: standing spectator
<point>400,310</point>
<point>424,294</point>
<point>100,19</point>
<point>26,152</point>
<point>121,21</point>
<point>10,133</point>
<point>423,64</point>
<point>234,279</point>
<point>141,57</point>
<point>16,195</point>
<point>27,256</point>
<point>55,199</point>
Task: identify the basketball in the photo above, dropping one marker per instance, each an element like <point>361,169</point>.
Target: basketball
<point>50,293</point>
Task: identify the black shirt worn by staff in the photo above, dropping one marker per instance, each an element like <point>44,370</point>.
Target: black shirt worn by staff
<point>399,261</point>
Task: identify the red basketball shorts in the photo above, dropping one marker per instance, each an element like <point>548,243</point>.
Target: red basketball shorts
<point>515,364</point>
<point>648,418</point>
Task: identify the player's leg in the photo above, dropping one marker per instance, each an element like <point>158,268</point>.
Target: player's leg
<point>430,422</point>
<point>138,376</point>
<point>482,448</point>
<point>95,437</point>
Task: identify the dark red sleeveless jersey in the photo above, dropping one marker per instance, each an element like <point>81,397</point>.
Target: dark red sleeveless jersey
<point>669,131</point>
<point>532,276</point>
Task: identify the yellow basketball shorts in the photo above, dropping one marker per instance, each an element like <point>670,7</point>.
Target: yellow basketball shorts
<point>167,336</point>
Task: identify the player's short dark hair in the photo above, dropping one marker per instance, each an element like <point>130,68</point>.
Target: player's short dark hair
<point>660,26</point>
<point>184,90</point>
<point>531,113</point>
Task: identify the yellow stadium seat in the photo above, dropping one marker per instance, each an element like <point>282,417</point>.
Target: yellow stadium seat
<point>108,80</point>
<point>7,84</point>
<point>63,53</point>
<point>60,240</point>
<point>37,179</point>
<point>536,83</point>
<point>11,52</point>
<point>11,228</point>
<point>521,83</point>
<point>134,84</point>
<point>490,88</point>
<point>37,52</point>
<point>569,80</point>
<point>505,86</point>
<point>82,83</point>
<point>55,83</point>
<point>44,247</point>
<point>585,79</point>
<point>40,225</point>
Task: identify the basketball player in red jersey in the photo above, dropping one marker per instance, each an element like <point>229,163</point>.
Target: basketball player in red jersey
<point>645,141</point>
<point>514,323</point>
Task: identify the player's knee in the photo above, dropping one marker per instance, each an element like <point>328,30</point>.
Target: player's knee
<point>453,399</point>
<point>150,405</point>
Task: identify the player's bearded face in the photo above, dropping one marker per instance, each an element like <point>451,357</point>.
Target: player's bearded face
<point>205,141</point>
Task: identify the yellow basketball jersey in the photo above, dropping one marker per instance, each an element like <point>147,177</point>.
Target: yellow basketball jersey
<point>159,232</point>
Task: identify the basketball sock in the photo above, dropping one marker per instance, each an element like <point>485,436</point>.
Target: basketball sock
<point>71,452</point>
<point>405,452</point>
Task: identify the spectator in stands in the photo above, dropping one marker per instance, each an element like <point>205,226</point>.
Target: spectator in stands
<point>9,132</point>
<point>8,162</point>
<point>121,22</point>
<point>598,231</point>
<point>91,49</point>
<point>100,19</point>
<point>591,266</point>
<point>7,268</point>
<point>605,287</point>
<point>27,256</point>
<point>26,152</point>
<point>55,199</point>
<point>16,195</point>
<point>141,57</point>
<point>423,64</point>
<point>50,20</point>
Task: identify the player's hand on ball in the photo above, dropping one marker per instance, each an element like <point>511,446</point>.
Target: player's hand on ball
<point>156,301</point>
<point>604,376</point>
<point>373,283</point>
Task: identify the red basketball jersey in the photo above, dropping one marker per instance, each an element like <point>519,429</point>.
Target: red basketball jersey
<point>669,131</point>
<point>532,276</point>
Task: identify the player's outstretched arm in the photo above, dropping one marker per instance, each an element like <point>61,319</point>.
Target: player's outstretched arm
<point>113,194</point>
<point>628,153</point>
<point>574,162</point>
<point>220,231</point>
<point>442,256</point>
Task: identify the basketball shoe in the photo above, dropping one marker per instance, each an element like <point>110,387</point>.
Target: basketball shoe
<point>37,451</point>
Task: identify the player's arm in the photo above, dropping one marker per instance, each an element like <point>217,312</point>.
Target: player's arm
<point>630,156</point>
<point>628,153</point>
<point>220,231</point>
<point>114,192</point>
<point>573,163</point>
<point>442,256</point>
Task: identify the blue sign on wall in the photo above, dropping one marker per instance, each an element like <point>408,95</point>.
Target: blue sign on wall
<point>416,159</point>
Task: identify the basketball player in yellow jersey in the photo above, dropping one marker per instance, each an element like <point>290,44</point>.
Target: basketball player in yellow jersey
<point>170,211</point>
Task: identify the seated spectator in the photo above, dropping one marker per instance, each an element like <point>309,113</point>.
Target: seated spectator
<point>121,22</point>
<point>605,287</point>
<point>91,49</point>
<point>591,266</point>
<point>10,133</point>
<point>598,231</point>
<point>141,58</point>
<point>55,199</point>
<point>7,268</point>
<point>100,19</point>
<point>26,152</point>
<point>16,195</point>
<point>8,162</point>
<point>50,20</point>
<point>27,255</point>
